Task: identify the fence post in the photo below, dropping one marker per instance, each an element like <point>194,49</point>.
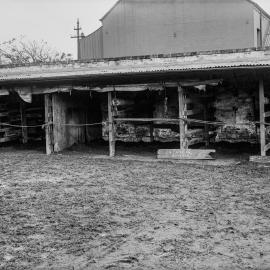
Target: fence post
<point>111,126</point>
<point>182,114</point>
<point>49,119</point>
<point>262,117</point>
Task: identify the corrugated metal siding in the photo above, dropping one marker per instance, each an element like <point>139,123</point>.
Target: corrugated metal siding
<point>142,27</point>
<point>265,27</point>
<point>92,46</point>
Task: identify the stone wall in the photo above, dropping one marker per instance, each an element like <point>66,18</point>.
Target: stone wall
<point>159,104</point>
<point>237,108</point>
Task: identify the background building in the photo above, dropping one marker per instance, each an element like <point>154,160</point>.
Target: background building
<point>136,27</point>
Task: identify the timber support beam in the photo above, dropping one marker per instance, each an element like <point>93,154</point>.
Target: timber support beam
<point>184,153</point>
<point>111,126</point>
<point>263,159</point>
<point>49,124</point>
<point>262,118</point>
<point>23,123</point>
<point>182,116</point>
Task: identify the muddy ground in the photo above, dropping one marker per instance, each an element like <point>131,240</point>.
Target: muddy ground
<point>70,211</point>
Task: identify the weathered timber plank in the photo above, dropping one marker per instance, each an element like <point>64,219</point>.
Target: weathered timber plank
<point>146,120</point>
<point>195,141</point>
<point>185,154</point>
<point>193,112</point>
<point>111,126</point>
<point>267,147</point>
<point>23,123</point>
<point>260,159</point>
<point>49,128</point>
<point>262,119</point>
<point>189,83</point>
<point>128,88</point>
<point>206,127</point>
<point>193,132</point>
<point>182,114</point>
<point>9,138</point>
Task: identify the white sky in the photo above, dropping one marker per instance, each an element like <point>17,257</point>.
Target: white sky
<point>54,20</point>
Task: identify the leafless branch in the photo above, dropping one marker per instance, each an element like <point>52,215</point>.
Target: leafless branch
<point>22,51</point>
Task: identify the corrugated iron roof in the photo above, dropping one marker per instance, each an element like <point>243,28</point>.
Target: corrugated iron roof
<point>235,59</point>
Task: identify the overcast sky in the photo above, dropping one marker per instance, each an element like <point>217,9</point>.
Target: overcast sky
<point>54,20</point>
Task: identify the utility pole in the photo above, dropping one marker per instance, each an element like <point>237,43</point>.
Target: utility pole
<point>78,29</point>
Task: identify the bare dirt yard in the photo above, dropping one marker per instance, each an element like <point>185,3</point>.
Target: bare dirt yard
<point>70,211</point>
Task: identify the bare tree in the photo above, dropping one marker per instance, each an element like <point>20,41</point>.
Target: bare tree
<point>22,51</point>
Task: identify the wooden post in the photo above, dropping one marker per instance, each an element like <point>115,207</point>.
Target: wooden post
<point>23,123</point>
<point>206,127</point>
<point>150,114</point>
<point>262,117</point>
<point>151,129</point>
<point>182,114</point>
<point>49,128</point>
<point>111,126</point>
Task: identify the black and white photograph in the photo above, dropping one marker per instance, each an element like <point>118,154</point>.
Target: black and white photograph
<point>134,135</point>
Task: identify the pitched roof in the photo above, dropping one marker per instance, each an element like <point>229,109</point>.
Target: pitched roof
<point>250,1</point>
<point>110,10</point>
<point>259,7</point>
<point>99,29</point>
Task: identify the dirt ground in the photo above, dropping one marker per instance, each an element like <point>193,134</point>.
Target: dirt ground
<point>70,211</point>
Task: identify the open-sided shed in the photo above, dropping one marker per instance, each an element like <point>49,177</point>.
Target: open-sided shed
<point>191,96</point>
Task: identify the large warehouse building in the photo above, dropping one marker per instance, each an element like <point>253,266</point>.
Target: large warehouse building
<point>147,27</point>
